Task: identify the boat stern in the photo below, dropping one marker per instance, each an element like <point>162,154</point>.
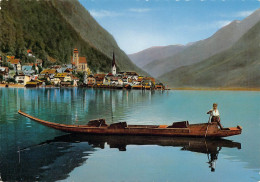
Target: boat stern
<point>231,131</point>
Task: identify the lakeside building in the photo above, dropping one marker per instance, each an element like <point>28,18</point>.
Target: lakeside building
<point>91,81</point>
<point>65,75</point>
<point>114,79</point>
<point>16,64</point>
<point>4,71</point>
<point>27,69</point>
<point>99,78</point>
<point>48,74</point>
<point>22,78</point>
<point>80,63</point>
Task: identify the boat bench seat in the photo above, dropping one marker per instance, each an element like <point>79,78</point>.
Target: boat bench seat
<point>119,125</point>
<point>97,123</point>
<point>180,124</point>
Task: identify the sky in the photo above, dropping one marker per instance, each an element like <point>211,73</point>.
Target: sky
<point>140,24</point>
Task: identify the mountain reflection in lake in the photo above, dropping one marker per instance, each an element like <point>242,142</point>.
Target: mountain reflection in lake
<point>54,159</point>
<point>32,152</point>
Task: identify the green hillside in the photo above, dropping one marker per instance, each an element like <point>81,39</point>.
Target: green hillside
<point>236,67</point>
<point>45,28</point>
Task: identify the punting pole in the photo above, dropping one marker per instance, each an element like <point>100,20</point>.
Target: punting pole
<point>207,127</point>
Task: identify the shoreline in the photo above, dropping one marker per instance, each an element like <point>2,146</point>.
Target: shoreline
<point>217,89</point>
<point>12,85</point>
<point>179,88</point>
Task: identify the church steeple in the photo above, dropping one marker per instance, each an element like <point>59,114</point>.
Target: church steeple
<point>76,57</point>
<point>114,60</point>
<point>114,65</point>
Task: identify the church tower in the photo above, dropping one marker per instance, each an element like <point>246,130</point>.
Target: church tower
<point>76,57</point>
<point>114,65</point>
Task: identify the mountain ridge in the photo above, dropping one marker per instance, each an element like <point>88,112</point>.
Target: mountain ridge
<point>238,66</point>
<point>146,56</point>
<point>201,50</point>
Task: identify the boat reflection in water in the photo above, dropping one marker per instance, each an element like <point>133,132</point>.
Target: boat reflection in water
<point>72,150</point>
<point>210,147</point>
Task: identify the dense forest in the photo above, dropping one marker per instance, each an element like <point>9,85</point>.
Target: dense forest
<point>40,27</point>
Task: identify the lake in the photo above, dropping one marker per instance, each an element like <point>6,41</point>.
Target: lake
<point>32,152</point>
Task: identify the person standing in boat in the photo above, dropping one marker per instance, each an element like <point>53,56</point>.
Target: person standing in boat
<point>214,114</point>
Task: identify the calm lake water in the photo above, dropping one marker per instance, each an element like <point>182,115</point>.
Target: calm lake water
<point>32,152</point>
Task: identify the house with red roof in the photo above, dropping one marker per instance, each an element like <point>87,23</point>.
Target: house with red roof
<point>99,78</point>
<point>29,53</point>
<point>16,63</point>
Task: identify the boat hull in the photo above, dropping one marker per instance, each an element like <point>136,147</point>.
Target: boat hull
<point>209,130</point>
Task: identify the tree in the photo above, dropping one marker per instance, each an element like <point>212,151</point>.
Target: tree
<point>40,69</point>
<point>80,75</point>
<point>10,80</point>
<point>1,78</point>
<point>6,64</point>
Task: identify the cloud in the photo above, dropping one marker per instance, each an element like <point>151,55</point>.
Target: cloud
<point>243,14</point>
<point>103,13</point>
<point>139,10</point>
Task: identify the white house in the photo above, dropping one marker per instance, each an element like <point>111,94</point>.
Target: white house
<point>22,79</point>
<point>132,75</point>
<point>56,81</point>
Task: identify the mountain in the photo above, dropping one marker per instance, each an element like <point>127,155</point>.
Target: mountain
<point>79,18</point>
<point>53,28</point>
<point>151,54</point>
<point>236,67</point>
<point>201,50</point>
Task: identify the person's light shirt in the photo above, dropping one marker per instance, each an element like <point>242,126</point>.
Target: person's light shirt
<point>214,112</point>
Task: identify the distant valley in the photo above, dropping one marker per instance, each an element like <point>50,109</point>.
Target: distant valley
<point>233,44</point>
<point>142,58</point>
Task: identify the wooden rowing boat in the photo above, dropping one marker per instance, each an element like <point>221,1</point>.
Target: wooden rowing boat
<point>209,130</point>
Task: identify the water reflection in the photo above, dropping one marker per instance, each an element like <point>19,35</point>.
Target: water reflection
<point>54,159</point>
<point>71,106</point>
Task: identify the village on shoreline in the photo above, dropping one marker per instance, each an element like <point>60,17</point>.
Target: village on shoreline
<point>14,73</point>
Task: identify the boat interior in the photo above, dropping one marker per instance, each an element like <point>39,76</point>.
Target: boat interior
<point>121,125</point>
<point>102,123</point>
